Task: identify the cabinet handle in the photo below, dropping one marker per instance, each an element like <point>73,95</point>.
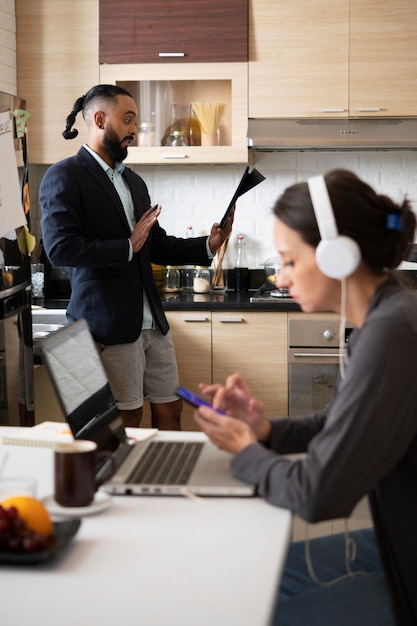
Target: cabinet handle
<point>231,320</point>
<point>368,109</point>
<point>174,156</point>
<point>200,318</point>
<point>171,54</point>
<point>331,110</point>
<point>321,355</point>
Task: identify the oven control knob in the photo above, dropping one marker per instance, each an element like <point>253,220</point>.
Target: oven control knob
<point>328,335</point>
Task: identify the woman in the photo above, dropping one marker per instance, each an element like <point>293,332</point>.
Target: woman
<point>364,442</point>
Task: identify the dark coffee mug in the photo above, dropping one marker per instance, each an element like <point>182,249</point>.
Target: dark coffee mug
<point>74,473</point>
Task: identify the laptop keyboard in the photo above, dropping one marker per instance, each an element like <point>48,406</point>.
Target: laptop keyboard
<point>167,463</point>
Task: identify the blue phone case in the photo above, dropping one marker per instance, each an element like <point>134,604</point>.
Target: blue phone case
<point>191,398</point>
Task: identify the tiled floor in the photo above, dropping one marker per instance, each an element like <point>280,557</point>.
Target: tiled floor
<point>360,518</point>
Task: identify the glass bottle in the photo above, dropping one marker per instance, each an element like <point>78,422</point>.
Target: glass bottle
<point>174,126</point>
<point>193,129</point>
<point>241,269</point>
<point>188,270</point>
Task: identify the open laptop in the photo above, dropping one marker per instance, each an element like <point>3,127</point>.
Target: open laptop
<point>150,467</point>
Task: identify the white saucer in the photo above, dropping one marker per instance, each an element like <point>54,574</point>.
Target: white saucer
<point>101,502</point>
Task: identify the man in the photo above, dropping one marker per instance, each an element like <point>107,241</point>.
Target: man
<point>97,220</point>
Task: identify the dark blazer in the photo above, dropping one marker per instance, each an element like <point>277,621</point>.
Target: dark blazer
<point>85,228</point>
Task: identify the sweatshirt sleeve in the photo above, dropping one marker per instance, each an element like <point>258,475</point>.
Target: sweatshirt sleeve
<point>368,429</point>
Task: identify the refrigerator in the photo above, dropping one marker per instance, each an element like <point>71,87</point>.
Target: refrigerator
<point>16,345</point>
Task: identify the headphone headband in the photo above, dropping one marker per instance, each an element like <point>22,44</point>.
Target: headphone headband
<point>337,256</point>
<point>322,207</point>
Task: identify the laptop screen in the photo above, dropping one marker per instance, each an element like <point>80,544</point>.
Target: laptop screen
<point>78,376</point>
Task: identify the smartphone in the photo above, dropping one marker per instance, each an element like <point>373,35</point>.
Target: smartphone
<point>191,398</point>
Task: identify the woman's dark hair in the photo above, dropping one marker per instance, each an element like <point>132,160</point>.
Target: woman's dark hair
<point>104,92</point>
<point>383,229</point>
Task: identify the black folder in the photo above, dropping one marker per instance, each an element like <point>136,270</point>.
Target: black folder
<point>248,181</point>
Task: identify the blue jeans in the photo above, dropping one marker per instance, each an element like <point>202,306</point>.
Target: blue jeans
<point>359,600</point>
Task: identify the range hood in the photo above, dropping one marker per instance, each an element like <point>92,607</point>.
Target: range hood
<point>333,134</point>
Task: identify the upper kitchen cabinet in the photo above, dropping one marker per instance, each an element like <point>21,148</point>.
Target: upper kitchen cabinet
<point>383,58</point>
<point>155,87</point>
<point>320,58</point>
<point>57,61</point>
<point>298,58</point>
<point>160,31</point>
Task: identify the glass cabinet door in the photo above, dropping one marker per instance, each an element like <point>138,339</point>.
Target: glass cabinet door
<point>157,88</point>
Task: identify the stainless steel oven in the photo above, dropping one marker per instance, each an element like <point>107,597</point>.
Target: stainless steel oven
<point>313,360</point>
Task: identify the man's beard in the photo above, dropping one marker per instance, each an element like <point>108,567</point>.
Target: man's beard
<point>112,144</point>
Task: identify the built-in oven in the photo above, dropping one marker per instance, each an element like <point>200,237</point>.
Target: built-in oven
<point>313,360</point>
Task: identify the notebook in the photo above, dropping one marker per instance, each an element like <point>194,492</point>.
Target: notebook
<point>248,181</point>
<point>150,467</point>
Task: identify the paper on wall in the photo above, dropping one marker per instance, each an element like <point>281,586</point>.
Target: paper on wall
<point>12,214</point>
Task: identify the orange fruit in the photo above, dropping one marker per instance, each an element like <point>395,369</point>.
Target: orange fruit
<point>33,512</point>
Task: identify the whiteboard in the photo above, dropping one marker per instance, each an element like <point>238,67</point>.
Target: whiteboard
<point>12,214</point>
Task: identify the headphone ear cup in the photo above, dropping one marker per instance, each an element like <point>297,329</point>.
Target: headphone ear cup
<point>338,257</point>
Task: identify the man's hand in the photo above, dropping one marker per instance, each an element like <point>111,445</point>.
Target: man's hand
<point>219,235</point>
<point>142,228</point>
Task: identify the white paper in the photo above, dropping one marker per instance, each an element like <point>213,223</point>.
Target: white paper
<point>12,214</point>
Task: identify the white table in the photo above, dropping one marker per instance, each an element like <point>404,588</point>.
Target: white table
<point>150,561</point>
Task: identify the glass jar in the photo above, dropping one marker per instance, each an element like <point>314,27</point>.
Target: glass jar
<point>177,138</point>
<point>146,135</point>
<point>201,283</point>
<point>172,280</point>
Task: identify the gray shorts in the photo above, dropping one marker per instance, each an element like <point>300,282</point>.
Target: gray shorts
<point>143,370</point>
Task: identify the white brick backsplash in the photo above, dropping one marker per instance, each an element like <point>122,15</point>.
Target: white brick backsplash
<point>198,195</point>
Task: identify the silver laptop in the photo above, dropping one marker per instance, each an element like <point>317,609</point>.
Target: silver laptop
<point>152,467</point>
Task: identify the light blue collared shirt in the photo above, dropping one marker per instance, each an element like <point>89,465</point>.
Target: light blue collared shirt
<point>122,188</point>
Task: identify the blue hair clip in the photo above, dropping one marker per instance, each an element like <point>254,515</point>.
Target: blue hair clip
<point>394,222</point>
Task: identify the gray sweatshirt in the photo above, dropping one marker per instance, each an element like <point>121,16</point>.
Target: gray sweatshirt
<point>363,442</point>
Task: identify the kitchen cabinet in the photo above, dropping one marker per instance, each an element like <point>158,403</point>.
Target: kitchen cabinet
<point>254,345</point>
<point>211,345</point>
<point>298,58</point>
<point>383,58</point>
<point>57,60</point>
<point>317,59</point>
<point>155,31</point>
<point>191,331</point>
<point>156,87</point>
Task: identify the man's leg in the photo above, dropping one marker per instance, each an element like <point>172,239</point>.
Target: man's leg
<point>167,416</point>
<point>161,381</point>
<point>131,418</point>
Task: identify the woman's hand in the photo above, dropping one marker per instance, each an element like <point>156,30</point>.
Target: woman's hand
<point>227,433</point>
<point>235,399</point>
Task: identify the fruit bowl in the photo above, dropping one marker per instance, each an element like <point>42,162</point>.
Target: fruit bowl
<point>62,534</point>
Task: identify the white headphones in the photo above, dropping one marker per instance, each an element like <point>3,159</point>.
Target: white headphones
<point>337,256</point>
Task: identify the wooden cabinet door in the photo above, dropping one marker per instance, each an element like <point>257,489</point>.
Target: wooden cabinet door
<point>383,58</point>
<point>255,346</point>
<point>140,31</point>
<point>298,58</point>
<point>58,62</point>
<point>191,332</point>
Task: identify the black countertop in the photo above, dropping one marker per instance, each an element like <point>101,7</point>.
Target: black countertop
<point>226,301</point>
<point>212,301</point>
